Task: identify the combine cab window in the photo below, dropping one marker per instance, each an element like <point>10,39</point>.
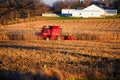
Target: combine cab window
<point>44,29</point>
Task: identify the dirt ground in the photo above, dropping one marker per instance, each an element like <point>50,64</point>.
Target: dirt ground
<point>95,55</point>
<point>55,60</point>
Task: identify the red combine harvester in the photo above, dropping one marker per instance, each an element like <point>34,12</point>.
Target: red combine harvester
<point>53,33</point>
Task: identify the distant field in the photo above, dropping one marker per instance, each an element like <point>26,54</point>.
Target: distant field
<point>95,54</point>
<point>81,29</point>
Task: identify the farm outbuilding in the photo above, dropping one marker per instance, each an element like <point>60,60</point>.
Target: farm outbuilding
<point>50,14</point>
<point>90,11</point>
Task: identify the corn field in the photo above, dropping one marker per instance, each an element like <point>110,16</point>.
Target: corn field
<point>95,54</point>
<point>59,60</point>
<point>91,29</point>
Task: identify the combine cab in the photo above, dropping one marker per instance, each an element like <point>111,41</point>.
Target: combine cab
<point>53,33</point>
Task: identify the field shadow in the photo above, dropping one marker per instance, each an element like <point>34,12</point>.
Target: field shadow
<point>47,49</point>
<point>108,67</point>
<point>21,47</point>
<point>15,75</point>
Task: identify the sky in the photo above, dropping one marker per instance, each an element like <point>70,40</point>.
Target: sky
<point>49,2</point>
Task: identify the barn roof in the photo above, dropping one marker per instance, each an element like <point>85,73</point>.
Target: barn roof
<point>93,7</point>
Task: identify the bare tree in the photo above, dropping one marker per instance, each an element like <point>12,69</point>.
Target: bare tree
<point>58,5</point>
<point>12,9</point>
<point>117,5</point>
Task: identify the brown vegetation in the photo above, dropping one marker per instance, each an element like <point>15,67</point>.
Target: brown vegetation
<point>58,60</point>
<point>96,55</point>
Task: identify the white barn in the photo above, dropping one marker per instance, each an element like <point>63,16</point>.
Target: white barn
<point>90,11</point>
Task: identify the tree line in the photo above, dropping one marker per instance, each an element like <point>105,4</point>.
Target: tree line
<point>14,9</point>
<point>58,5</point>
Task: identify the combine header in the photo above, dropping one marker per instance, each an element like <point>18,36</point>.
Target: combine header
<point>53,33</point>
